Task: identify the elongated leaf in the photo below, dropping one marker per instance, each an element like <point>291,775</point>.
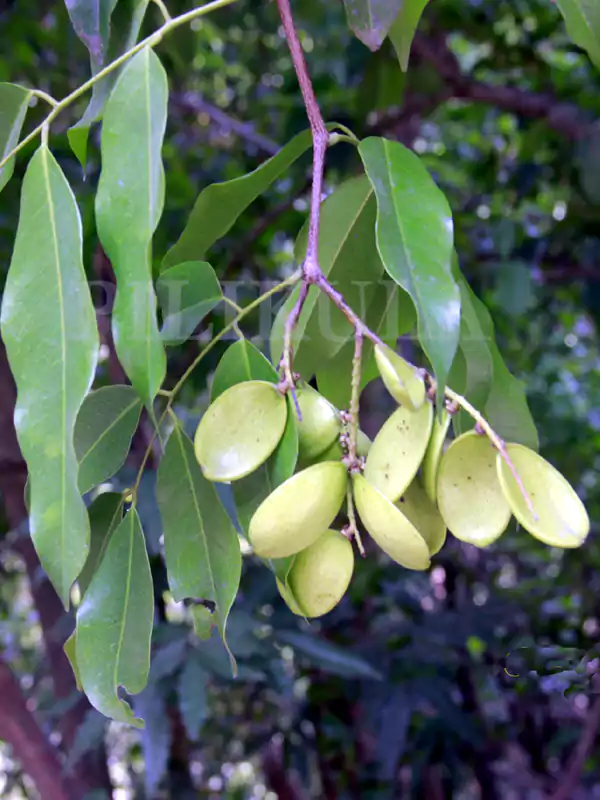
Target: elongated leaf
<point>105,425</point>
<point>193,701</point>
<point>582,18</point>
<point>242,361</point>
<point>13,108</point>
<point>186,294</point>
<point>106,513</point>
<point>414,237</point>
<point>129,203</point>
<point>91,20</point>
<point>70,648</point>
<point>329,657</point>
<point>114,623</point>
<point>201,546</point>
<point>49,328</point>
<point>220,204</point>
<point>126,23</point>
<point>370,20</point>
<point>506,406</point>
<point>348,257</point>
<point>475,343</point>
<point>403,29</point>
<point>391,314</point>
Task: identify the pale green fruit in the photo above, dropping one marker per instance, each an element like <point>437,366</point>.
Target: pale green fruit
<point>387,525</point>
<point>320,576</point>
<point>416,505</point>
<point>562,520</point>
<point>290,600</point>
<point>240,430</point>
<point>401,379</point>
<point>398,450</point>
<point>299,510</point>
<point>433,454</point>
<point>320,424</point>
<point>469,495</point>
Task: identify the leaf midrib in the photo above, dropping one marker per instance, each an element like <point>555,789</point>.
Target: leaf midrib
<point>63,346</point>
<point>125,603</point>
<point>107,430</point>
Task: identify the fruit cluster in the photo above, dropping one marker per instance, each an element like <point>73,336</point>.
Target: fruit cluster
<point>407,486</point>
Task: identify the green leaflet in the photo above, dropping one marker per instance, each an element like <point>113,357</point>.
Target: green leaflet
<point>403,29</point>
<point>582,18</point>
<point>49,328</point>
<point>186,294</point>
<point>13,108</point>
<point>220,204</point>
<point>126,23</point>
<point>201,545</point>
<point>475,342</point>
<point>103,431</point>
<point>129,203</point>
<point>114,623</point>
<point>70,648</point>
<point>348,257</point>
<point>415,239</point>
<point>505,406</point>
<point>242,361</point>
<point>391,314</point>
<point>370,20</point>
<point>106,513</point>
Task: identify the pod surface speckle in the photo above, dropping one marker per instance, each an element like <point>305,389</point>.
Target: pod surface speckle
<point>562,518</point>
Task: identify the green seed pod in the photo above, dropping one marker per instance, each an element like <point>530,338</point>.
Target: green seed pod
<point>320,576</point>
<point>320,424</point>
<point>401,379</point>
<point>433,455</point>
<point>398,450</point>
<point>387,525</point>
<point>240,430</point>
<point>333,453</point>
<point>363,444</point>
<point>416,505</point>
<point>299,510</point>
<point>562,520</point>
<point>468,491</point>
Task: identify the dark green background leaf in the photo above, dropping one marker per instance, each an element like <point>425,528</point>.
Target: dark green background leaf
<point>241,362</point>
<point>403,29</point>
<point>129,204</point>
<point>126,23</point>
<point>49,328</point>
<point>582,18</point>
<point>201,546</point>
<point>186,294</point>
<point>193,702</point>
<point>103,431</point>
<point>371,19</point>
<point>220,204</point>
<point>106,513</point>
<point>13,108</point>
<point>114,623</point>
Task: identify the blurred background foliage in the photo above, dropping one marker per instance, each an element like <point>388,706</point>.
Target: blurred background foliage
<point>475,680</point>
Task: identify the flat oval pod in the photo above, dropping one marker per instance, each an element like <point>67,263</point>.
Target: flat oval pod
<point>469,495</point>
<point>299,510</point>
<point>398,449</point>
<point>320,575</point>
<point>433,454</point>
<point>562,519</point>
<point>387,525</point>
<point>240,430</point>
<point>401,379</point>
<point>320,424</point>
<point>333,453</point>
<point>416,505</point>
<point>363,444</point>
